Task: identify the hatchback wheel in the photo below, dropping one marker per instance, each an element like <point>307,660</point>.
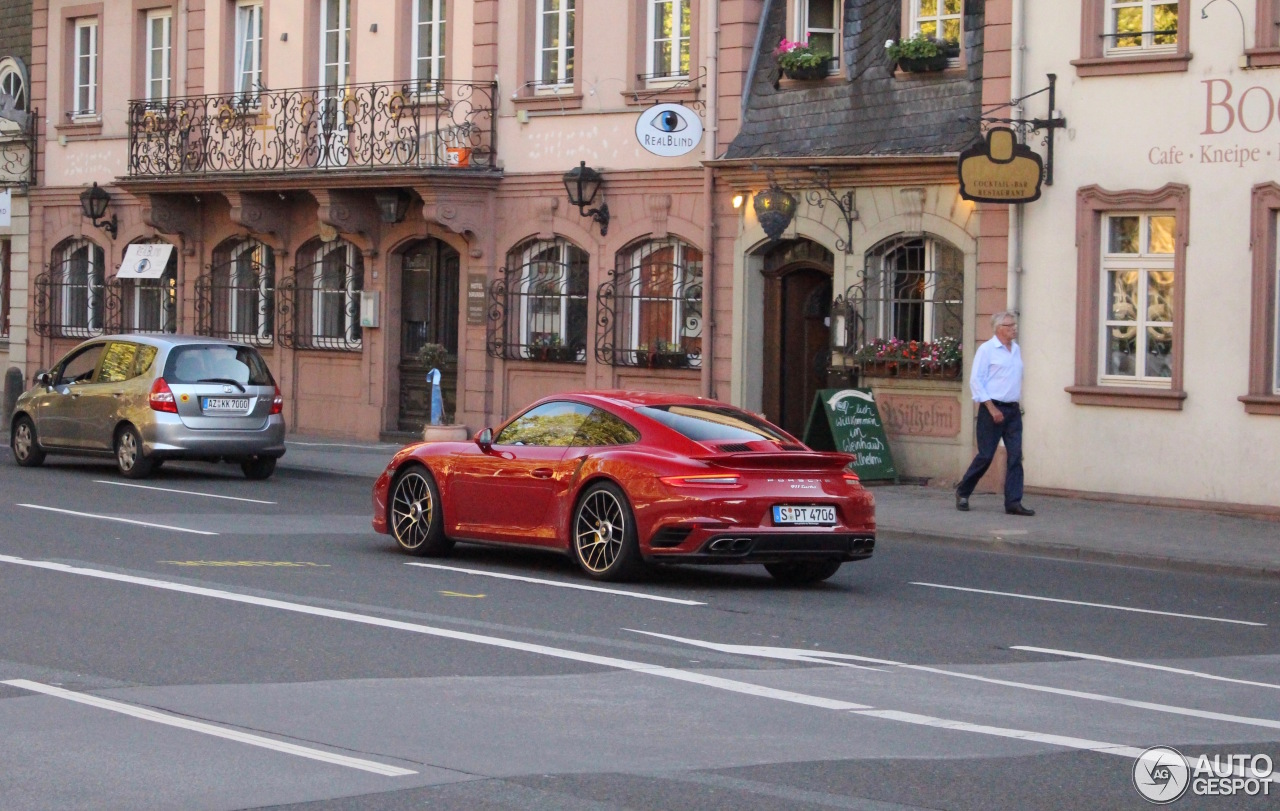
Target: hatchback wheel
<point>258,468</point>
<point>26,450</point>
<point>417,522</point>
<point>801,572</point>
<point>129,457</point>
<point>604,534</point>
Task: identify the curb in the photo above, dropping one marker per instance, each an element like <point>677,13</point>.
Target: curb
<point>1063,551</point>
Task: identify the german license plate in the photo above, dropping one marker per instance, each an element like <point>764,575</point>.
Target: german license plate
<point>224,403</point>
<point>804,516</point>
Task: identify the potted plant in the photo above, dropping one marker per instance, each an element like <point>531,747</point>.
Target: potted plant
<point>918,54</point>
<point>432,356</point>
<point>798,60</point>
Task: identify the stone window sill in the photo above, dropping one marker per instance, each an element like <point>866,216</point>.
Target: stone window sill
<point>950,72</point>
<point>549,102</point>
<point>1127,397</point>
<point>1263,57</point>
<point>830,80</point>
<point>1268,404</point>
<point>646,96</point>
<point>80,128</point>
<point>1127,65</point>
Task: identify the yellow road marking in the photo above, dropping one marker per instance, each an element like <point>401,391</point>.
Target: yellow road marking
<point>282,563</point>
<point>460,594</point>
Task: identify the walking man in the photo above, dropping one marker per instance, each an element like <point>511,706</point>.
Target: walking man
<point>996,383</point>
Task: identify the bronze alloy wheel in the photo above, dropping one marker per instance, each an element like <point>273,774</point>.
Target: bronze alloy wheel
<point>604,534</point>
<point>415,518</point>
<point>26,451</point>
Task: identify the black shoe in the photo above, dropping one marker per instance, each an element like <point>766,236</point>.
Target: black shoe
<point>1018,509</point>
<point>962,503</point>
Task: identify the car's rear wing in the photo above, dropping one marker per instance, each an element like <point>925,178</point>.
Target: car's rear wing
<point>797,461</point>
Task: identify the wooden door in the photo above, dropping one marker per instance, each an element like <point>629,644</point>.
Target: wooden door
<point>428,314</point>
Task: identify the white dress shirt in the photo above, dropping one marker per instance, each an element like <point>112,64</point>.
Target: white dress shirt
<point>997,373</point>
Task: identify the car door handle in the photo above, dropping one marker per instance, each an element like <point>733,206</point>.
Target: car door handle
<point>117,394</point>
<point>543,473</point>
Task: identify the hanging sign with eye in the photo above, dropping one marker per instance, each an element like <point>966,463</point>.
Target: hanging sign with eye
<point>669,130</point>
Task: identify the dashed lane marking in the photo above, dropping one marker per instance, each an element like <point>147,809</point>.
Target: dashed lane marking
<point>556,583</point>
<point>460,594</point>
<point>119,520</point>
<point>1147,665</point>
<point>276,563</point>
<point>211,729</point>
<point>181,492</point>
<point>1090,605</point>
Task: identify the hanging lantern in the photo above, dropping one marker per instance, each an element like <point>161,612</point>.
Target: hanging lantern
<point>774,209</point>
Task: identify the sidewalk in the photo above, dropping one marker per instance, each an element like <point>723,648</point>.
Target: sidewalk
<point>1076,529</point>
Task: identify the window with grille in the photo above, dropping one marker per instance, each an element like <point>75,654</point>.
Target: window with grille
<point>320,303</point>
<point>70,300</point>
<point>145,305</point>
<point>650,309</point>
<point>539,304</point>
<point>235,298</point>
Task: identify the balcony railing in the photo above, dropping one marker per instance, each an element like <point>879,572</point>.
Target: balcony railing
<point>18,151</point>
<point>410,125</point>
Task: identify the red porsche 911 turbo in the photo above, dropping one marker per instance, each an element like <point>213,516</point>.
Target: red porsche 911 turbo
<point>619,479</point>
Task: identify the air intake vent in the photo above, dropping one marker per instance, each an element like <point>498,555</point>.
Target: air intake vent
<point>735,448</point>
<point>669,537</point>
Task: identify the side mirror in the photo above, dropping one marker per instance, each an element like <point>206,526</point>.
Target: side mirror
<point>44,379</point>
<point>485,439</point>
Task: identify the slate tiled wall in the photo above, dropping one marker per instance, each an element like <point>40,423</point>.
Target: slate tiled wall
<point>15,29</point>
<point>871,111</point>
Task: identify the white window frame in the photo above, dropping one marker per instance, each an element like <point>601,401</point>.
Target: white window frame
<point>564,19</point>
<point>347,295</point>
<point>1143,263</point>
<point>939,19</point>
<point>1111,45</point>
<point>679,40</point>
<point>428,21</point>
<point>260,297</point>
<point>85,69</point>
<point>932,309</point>
<point>159,84</point>
<point>335,17</point>
<point>804,30</point>
<point>680,277</point>
<point>248,64</point>
<point>94,280</point>
<point>12,82</point>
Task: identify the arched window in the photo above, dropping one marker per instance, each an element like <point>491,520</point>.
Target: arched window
<point>541,300</point>
<point>13,82</point>
<point>651,308</point>
<point>908,307</point>
<point>322,299</point>
<point>236,297</point>
<point>70,294</point>
<point>146,304</point>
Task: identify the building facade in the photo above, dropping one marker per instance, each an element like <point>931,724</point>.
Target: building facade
<point>1150,325</point>
<point>17,173</point>
<point>344,182</point>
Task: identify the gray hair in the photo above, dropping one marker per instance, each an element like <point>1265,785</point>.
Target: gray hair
<point>996,318</point>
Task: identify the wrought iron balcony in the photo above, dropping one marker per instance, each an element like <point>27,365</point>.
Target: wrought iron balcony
<point>17,150</point>
<point>405,125</point>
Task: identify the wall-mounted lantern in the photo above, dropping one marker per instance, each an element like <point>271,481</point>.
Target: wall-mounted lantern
<point>392,205</point>
<point>774,209</point>
<point>582,182</point>
<point>93,202</point>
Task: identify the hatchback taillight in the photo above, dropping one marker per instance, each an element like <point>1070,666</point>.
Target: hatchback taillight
<point>277,403</point>
<point>161,397</point>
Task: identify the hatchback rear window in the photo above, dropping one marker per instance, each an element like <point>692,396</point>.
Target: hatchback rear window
<point>713,424</point>
<point>218,363</point>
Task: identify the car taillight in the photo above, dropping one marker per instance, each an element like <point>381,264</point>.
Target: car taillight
<point>161,397</point>
<point>851,478</point>
<point>277,403</point>
<point>713,481</point>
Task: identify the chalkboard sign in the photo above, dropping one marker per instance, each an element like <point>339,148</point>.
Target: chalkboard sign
<point>848,421</point>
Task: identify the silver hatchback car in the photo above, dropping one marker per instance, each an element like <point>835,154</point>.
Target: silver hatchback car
<point>148,398</point>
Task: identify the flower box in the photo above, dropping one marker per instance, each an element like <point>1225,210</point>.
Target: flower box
<point>662,360</point>
<point>924,64</point>
<point>808,74</point>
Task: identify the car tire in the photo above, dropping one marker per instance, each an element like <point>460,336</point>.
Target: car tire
<point>802,572</point>
<point>603,534</point>
<point>130,460</point>
<point>24,444</point>
<point>415,515</point>
<point>258,468</point>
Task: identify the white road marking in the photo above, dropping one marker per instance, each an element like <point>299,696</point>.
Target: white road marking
<point>182,492</point>
<point>1091,605</point>
<point>1094,657</point>
<point>822,657</point>
<point>120,520</point>
<point>643,668</point>
<point>556,583</point>
<point>211,729</point>
<point>344,445</point>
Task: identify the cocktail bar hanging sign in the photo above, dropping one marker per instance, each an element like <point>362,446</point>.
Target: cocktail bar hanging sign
<point>669,130</point>
<point>1000,170</point>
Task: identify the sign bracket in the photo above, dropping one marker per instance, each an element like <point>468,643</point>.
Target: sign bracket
<point>847,203</point>
<point>1054,121</point>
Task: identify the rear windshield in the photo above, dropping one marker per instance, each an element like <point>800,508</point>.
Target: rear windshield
<point>217,363</point>
<point>713,423</point>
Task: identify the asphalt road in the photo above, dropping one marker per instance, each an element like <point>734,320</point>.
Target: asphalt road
<point>198,641</point>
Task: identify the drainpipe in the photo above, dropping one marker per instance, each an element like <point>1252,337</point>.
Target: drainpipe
<point>1013,293</point>
<point>712,134</point>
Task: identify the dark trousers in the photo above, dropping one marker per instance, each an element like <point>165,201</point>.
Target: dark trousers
<point>989,435</point>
